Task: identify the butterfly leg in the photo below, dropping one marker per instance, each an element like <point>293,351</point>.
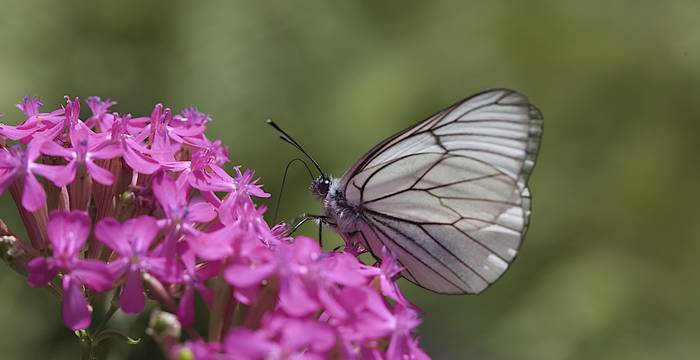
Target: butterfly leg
<point>322,219</point>
<point>300,220</point>
<point>320,234</point>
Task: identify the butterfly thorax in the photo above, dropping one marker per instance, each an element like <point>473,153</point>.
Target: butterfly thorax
<point>342,214</point>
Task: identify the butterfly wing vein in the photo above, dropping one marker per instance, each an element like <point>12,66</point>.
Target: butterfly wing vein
<point>449,195</point>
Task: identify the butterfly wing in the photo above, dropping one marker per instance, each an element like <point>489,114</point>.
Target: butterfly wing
<point>449,195</point>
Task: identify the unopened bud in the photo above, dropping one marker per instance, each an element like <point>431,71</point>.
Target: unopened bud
<point>184,353</point>
<point>163,325</point>
<point>13,254</point>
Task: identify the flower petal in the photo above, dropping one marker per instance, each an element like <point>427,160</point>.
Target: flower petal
<point>294,299</point>
<point>33,195</point>
<point>53,149</point>
<point>7,178</point>
<point>306,250</point>
<point>110,232</point>
<point>214,245</point>
<point>201,212</point>
<point>135,157</point>
<point>94,274</point>
<point>75,309</point>
<point>168,195</point>
<point>185,309</point>
<point>132,299</point>
<point>108,151</point>
<point>68,231</point>
<point>246,275</point>
<point>344,269</point>
<point>40,272</point>
<point>248,344</point>
<point>99,174</point>
<point>166,269</point>
<point>17,132</point>
<point>143,230</point>
<point>59,175</point>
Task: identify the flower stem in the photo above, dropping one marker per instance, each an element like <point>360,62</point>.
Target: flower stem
<point>113,307</point>
<point>87,349</point>
<point>222,294</point>
<point>264,303</point>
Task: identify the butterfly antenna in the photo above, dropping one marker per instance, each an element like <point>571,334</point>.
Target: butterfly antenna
<point>284,180</point>
<point>287,138</point>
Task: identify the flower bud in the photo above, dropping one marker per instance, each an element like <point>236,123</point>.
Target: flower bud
<point>163,325</point>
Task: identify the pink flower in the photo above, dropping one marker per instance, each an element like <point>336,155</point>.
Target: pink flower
<point>133,152</point>
<point>85,149</point>
<point>241,189</point>
<point>67,234</point>
<point>186,227</point>
<point>99,109</point>
<point>194,278</point>
<point>164,142</point>
<point>191,117</point>
<point>19,163</point>
<point>36,121</point>
<point>305,273</point>
<point>402,345</point>
<point>388,274</point>
<point>281,338</point>
<point>180,213</point>
<point>131,241</point>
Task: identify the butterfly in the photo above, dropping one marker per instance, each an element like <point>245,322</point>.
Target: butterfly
<point>449,195</point>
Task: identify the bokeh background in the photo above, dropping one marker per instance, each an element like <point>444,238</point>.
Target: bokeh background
<point>609,268</point>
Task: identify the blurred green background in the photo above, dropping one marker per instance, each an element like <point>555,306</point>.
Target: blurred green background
<point>609,268</point>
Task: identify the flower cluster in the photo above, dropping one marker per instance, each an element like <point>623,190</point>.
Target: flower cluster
<point>142,207</point>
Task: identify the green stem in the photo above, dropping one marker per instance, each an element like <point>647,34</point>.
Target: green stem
<point>86,345</point>
<point>88,353</point>
<point>112,309</point>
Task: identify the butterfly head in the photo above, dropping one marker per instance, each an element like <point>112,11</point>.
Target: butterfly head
<point>321,186</point>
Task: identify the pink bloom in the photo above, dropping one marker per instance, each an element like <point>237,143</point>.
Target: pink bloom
<point>198,171</point>
<point>402,345</point>
<point>36,121</point>
<point>100,114</point>
<point>245,344</point>
<point>18,163</point>
<point>85,149</point>
<point>131,241</point>
<point>389,272</point>
<point>220,152</point>
<point>193,278</point>
<point>164,145</point>
<point>67,234</point>
<point>281,338</point>
<point>180,213</point>
<point>297,265</point>
<point>243,184</point>
<point>186,128</point>
<point>191,117</point>
<point>133,152</point>
<point>269,295</point>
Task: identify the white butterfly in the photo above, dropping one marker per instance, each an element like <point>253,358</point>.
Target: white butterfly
<point>448,195</point>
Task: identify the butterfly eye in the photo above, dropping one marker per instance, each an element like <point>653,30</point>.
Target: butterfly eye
<point>320,186</point>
